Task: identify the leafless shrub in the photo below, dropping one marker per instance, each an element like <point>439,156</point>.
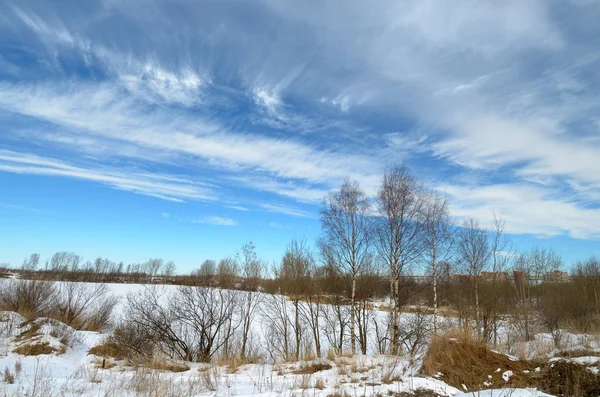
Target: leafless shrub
<point>30,298</point>
<point>336,323</point>
<point>129,341</point>
<point>191,324</point>
<point>415,333</point>
<point>279,328</point>
<point>84,306</point>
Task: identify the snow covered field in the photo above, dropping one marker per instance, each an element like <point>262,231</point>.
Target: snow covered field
<point>68,369</point>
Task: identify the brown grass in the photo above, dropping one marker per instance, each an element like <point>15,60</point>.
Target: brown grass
<point>312,368</point>
<point>309,355</point>
<point>30,332</point>
<point>34,349</point>
<point>577,353</point>
<point>109,349</point>
<point>564,378</point>
<point>466,360</point>
<point>442,311</point>
<point>330,354</point>
<point>8,376</point>
<point>167,365</point>
<point>320,384</point>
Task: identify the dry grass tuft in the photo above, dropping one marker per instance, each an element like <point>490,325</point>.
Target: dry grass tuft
<point>167,365</point>
<point>320,384</point>
<point>109,349</point>
<point>577,353</point>
<point>32,330</point>
<point>312,368</point>
<point>330,354</point>
<point>563,378</point>
<point>34,349</point>
<point>309,355</point>
<point>467,360</point>
<point>8,376</point>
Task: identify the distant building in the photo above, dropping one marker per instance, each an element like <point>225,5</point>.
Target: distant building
<point>461,278</point>
<point>498,276</point>
<point>519,279</point>
<point>556,276</point>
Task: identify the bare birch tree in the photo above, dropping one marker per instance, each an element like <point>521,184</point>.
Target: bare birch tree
<point>335,313</point>
<point>438,242</point>
<point>294,274</point>
<point>399,232</point>
<point>252,271</point>
<point>345,225</point>
<point>500,253</point>
<point>473,255</point>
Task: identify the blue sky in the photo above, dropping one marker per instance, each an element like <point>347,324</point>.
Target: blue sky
<point>183,129</point>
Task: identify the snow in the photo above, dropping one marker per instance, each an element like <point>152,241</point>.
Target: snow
<point>584,360</point>
<point>506,375</point>
<point>76,373</point>
<point>71,371</point>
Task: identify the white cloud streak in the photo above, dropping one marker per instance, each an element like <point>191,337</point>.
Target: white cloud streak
<point>287,210</point>
<point>526,209</point>
<point>216,221</point>
<point>161,186</point>
<point>501,89</point>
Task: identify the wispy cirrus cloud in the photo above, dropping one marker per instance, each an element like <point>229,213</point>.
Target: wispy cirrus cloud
<point>505,91</point>
<point>166,187</point>
<point>216,221</point>
<point>23,208</point>
<point>103,112</point>
<point>526,208</point>
<point>287,210</point>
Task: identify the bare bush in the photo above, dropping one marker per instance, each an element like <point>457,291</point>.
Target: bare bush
<point>203,317</point>
<point>415,333</point>
<point>192,324</point>
<point>85,306</point>
<point>279,328</point>
<point>129,341</point>
<point>30,298</point>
